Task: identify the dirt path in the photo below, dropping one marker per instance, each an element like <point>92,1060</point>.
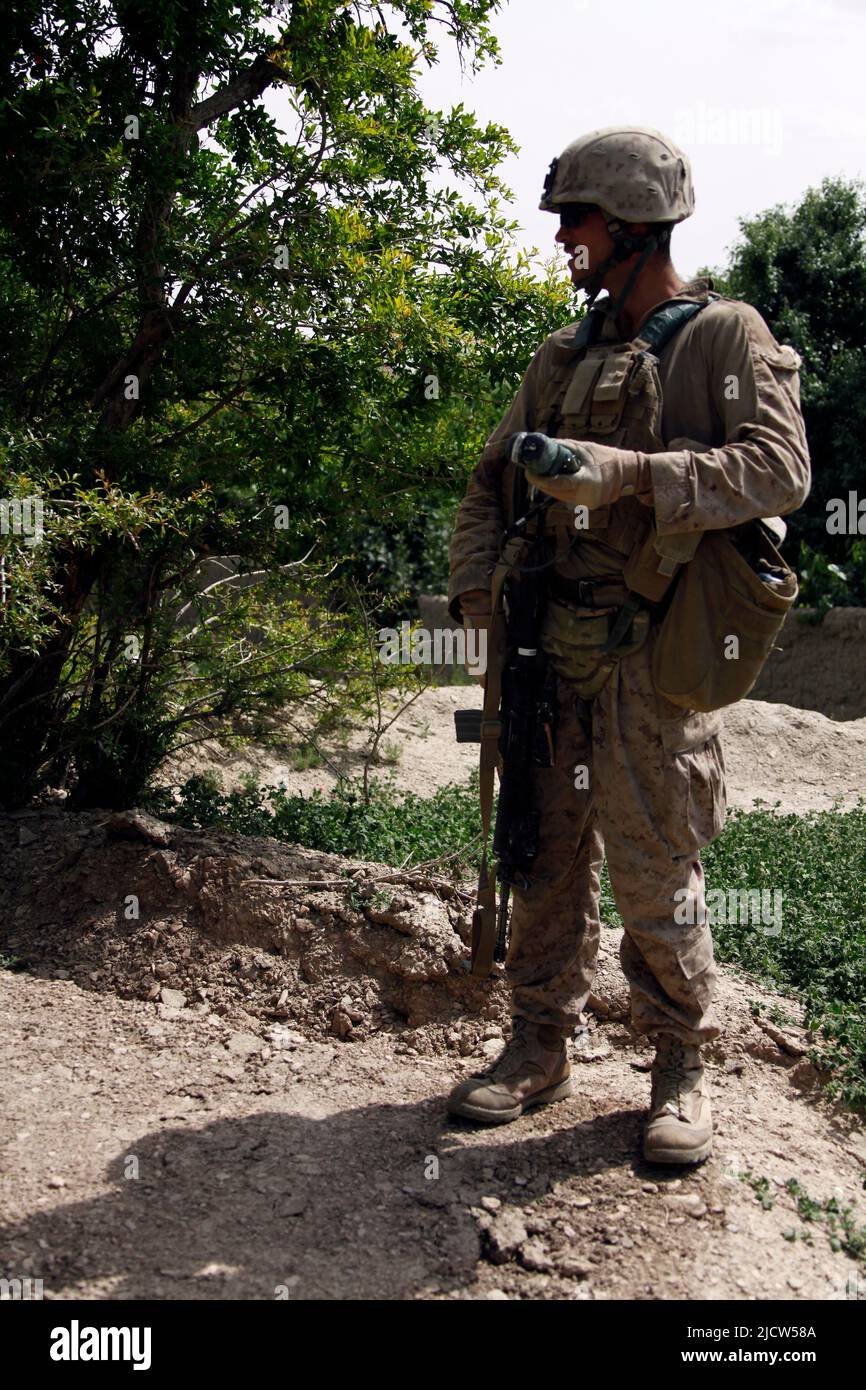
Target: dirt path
<point>264,1110</point>
<point>772,752</point>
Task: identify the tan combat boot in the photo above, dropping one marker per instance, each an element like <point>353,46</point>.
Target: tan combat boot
<point>680,1125</point>
<point>533,1069</point>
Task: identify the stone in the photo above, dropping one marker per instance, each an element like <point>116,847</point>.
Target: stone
<point>505,1235</point>
<point>690,1203</point>
<point>174,998</point>
<point>535,1257</point>
<point>281,1037</point>
<point>244,1044</point>
<point>138,825</point>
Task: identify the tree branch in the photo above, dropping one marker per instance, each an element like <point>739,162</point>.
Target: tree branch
<point>245,87</point>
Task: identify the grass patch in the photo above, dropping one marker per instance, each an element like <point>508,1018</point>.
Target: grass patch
<point>305,755</point>
<point>817,863</point>
<point>407,830</point>
<point>840,1221</point>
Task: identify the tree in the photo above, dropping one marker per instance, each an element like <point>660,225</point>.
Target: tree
<point>216,326</point>
<point>804,269</point>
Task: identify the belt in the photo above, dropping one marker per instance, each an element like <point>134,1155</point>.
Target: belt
<point>600,591</point>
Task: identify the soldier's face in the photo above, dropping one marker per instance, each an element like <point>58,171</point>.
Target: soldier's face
<point>588,244</point>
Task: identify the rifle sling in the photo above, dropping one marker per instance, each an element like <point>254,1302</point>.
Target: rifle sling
<point>484,923</point>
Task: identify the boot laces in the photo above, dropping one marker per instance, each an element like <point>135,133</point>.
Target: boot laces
<point>671,1071</point>
<point>672,1060</point>
<point>514,1058</point>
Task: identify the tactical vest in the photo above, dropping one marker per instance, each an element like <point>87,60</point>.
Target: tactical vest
<point>612,560</point>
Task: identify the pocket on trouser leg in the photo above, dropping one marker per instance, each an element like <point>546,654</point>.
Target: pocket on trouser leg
<point>694,781</point>
<point>697,964</point>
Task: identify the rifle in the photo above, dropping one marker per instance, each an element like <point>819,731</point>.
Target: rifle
<point>519,715</point>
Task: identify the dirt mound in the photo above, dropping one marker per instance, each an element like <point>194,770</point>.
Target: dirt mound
<point>797,757</point>
<point>819,666</point>
<point>259,933</point>
<point>246,929</point>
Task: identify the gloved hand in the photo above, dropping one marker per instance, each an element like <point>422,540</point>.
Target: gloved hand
<point>605,475</point>
<point>475,611</point>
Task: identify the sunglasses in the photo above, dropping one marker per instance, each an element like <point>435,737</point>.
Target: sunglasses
<point>572,214</point>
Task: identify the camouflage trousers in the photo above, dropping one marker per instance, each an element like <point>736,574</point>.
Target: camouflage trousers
<point>641,782</point>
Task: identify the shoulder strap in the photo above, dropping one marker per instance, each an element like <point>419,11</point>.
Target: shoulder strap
<point>484,918</point>
<point>665,322</point>
<point>654,336</point>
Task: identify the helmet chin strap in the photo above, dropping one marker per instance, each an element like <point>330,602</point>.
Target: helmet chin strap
<point>650,246</point>
<point>625,245</point>
<point>593,283</point>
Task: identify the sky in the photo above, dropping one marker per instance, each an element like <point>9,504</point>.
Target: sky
<point>766,97</point>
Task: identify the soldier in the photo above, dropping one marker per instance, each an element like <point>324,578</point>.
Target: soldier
<point>704,433</point>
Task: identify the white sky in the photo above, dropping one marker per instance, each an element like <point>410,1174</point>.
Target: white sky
<point>766,97</point>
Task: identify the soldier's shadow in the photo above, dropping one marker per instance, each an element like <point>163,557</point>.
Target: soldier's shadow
<point>370,1202</point>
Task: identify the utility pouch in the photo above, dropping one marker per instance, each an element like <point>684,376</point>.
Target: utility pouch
<point>573,643</point>
<point>728,605</point>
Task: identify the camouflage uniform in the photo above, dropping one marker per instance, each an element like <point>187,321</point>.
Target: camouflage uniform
<point>704,427</point>
<point>735,449</point>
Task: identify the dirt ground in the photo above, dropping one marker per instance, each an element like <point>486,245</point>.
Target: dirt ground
<point>222,1087</point>
<point>773,753</point>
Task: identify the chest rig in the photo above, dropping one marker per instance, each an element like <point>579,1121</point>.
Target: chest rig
<point>610,558</point>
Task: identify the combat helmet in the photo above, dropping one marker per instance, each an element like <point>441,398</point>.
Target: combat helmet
<point>632,173</point>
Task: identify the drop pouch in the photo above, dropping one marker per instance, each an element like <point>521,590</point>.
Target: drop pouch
<point>728,604</point>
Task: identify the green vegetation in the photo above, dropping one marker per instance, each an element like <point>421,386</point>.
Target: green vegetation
<point>842,1229</point>
<point>260,302</point>
<point>405,831</point>
<point>837,1219</point>
<point>818,864</point>
<point>762,1189</point>
<point>804,270</point>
